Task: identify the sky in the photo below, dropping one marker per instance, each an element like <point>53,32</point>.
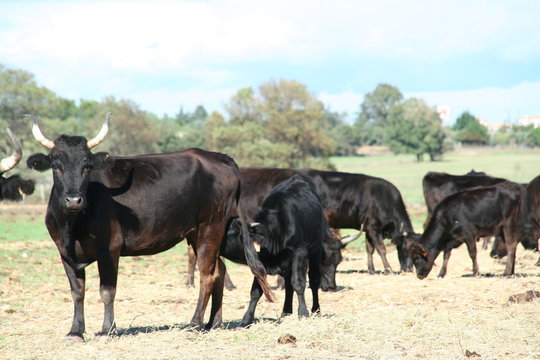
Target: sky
<point>477,56</point>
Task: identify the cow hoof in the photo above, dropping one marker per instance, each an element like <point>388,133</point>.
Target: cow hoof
<point>246,323</point>
<point>74,338</point>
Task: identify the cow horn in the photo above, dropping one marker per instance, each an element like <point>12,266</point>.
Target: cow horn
<point>347,239</point>
<point>101,134</point>
<point>10,162</point>
<point>38,135</point>
<point>254,224</point>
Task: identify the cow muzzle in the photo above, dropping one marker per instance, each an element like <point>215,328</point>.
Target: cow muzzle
<point>74,202</point>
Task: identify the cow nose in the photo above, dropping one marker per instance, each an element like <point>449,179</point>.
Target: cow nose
<point>74,202</point>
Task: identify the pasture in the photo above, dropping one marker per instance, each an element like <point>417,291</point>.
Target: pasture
<point>369,317</point>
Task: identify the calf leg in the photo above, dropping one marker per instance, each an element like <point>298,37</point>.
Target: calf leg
<point>256,293</point>
<point>447,253</point>
<point>287,304</point>
<point>315,282</point>
<point>298,280</point>
<point>77,280</point>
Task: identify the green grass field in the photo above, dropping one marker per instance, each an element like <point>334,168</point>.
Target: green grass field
<point>404,172</point>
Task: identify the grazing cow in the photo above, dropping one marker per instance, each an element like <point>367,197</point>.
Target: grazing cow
<point>290,229</point>
<point>464,216</point>
<point>103,207</point>
<point>13,187</point>
<point>356,201</point>
<point>438,185</point>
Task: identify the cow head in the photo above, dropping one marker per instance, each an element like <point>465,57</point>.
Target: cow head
<point>72,162</point>
<point>401,241</point>
<point>420,259</point>
<point>13,187</point>
<point>330,260</point>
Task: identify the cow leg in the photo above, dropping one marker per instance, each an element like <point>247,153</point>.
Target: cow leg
<point>287,304</point>
<point>471,246</point>
<point>228,282</point>
<point>217,298</point>
<point>315,282</point>
<point>446,258</point>
<point>77,280</point>
<point>108,276</point>
<point>378,242</point>
<point>298,280</point>
<point>511,246</point>
<point>210,276</point>
<point>192,260</point>
<point>256,293</point>
<point>369,250</point>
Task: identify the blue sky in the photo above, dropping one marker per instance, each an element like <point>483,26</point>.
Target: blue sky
<point>481,56</point>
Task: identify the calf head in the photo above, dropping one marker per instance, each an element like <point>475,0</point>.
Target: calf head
<point>71,161</point>
<point>331,258</point>
<point>420,259</point>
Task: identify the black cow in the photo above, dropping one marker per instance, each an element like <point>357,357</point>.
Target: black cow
<point>438,185</point>
<point>498,250</point>
<point>103,207</point>
<point>291,229</point>
<point>13,187</point>
<point>464,216</point>
<point>257,183</point>
<point>356,201</point>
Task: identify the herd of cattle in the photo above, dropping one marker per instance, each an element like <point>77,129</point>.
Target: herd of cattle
<point>102,207</point>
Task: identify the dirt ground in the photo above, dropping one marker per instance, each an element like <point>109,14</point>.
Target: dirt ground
<point>369,317</point>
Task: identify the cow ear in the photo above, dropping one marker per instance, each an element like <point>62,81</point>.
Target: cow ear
<point>102,160</point>
<point>417,249</point>
<point>39,162</point>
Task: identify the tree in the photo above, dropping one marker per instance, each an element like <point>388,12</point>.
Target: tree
<point>281,125</point>
<point>132,130</point>
<point>415,128</point>
<point>341,133</point>
<point>470,131</point>
<point>20,95</point>
<point>374,112</point>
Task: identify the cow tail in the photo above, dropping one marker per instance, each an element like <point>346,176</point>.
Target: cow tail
<point>256,266</point>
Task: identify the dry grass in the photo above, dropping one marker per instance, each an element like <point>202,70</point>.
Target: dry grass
<point>370,317</point>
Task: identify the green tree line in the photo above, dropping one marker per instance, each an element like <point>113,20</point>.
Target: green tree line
<point>279,123</point>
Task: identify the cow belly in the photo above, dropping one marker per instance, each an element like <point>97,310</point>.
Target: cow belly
<point>148,245</point>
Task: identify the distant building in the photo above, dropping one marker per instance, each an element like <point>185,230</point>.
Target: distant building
<point>492,128</point>
<point>529,120</point>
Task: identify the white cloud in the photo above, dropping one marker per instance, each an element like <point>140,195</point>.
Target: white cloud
<point>91,49</point>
